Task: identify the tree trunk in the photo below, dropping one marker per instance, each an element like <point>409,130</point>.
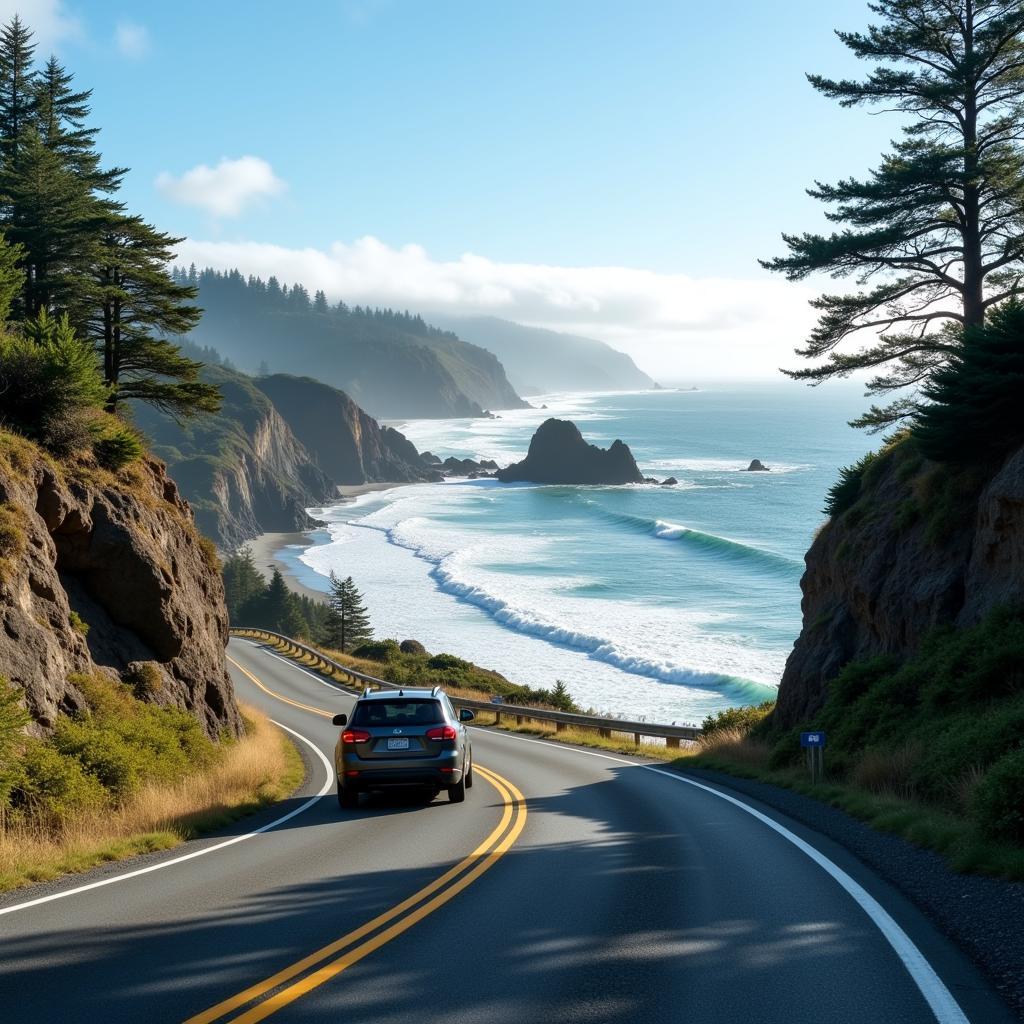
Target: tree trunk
<point>973,294</point>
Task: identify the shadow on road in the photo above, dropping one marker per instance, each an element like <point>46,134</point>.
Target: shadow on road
<point>615,906</point>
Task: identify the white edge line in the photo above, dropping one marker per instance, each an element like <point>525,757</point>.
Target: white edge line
<point>198,853</point>
<point>333,687</point>
<point>929,984</point>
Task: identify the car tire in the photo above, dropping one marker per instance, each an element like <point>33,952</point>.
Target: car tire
<point>348,799</point>
<point>469,774</point>
<point>457,793</point>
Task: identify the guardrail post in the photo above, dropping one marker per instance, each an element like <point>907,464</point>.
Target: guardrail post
<point>519,719</point>
<point>672,742</point>
<point>605,734</point>
<point>560,726</point>
<point>636,738</point>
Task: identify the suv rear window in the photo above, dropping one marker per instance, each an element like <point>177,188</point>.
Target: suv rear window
<point>397,712</point>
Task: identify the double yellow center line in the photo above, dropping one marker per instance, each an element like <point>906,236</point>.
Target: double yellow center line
<point>311,971</point>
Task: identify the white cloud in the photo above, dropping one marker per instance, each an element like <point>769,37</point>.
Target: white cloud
<point>675,325</point>
<point>49,20</point>
<point>225,190</point>
<point>132,40</point>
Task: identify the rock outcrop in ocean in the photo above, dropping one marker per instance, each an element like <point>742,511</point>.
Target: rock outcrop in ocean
<point>920,546</point>
<point>558,454</point>
<point>107,572</point>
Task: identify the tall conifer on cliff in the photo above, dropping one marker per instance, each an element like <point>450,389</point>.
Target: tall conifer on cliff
<point>935,235</point>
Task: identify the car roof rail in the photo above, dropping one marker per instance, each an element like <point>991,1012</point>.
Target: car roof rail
<point>366,692</point>
<point>435,691</point>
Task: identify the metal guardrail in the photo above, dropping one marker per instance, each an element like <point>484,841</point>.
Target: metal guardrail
<point>671,734</point>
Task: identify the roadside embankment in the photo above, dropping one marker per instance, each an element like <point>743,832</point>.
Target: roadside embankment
<point>77,802</point>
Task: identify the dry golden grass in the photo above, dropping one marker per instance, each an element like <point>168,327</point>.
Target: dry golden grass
<point>963,788</point>
<point>261,767</point>
<point>734,745</point>
<point>887,772</point>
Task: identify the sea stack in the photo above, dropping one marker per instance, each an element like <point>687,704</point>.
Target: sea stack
<point>757,466</point>
<point>559,455</point>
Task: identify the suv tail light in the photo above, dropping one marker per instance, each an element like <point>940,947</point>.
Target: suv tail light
<point>354,736</point>
<point>442,732</point>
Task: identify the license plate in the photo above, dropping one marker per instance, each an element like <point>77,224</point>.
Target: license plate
<point>399,744</point>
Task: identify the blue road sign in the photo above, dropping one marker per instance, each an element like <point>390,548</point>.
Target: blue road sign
<point>497,700</point>
<point>812,739</point>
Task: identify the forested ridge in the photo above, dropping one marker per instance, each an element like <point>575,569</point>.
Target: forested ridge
<point>392,363</point>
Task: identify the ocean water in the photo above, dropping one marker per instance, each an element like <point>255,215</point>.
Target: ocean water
<point>650,602</point>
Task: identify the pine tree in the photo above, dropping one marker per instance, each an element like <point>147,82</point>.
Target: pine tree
<point>938,225</point>
<point>561,698</point>
<point>278,609</point>
<point>17,86</point>
<point>12,277</point>
<point>53,216</point>
<point>977,399</point>
<point>134,302</point>
<point>50,385</point>
<point>242,584</point>
<point>349,625</point>
<point>60,116</point>
<point>80,253</point>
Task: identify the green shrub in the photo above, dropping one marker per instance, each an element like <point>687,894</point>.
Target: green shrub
<point>786,750</point>
<point>958,703</point>
<point>412,647</point>
<point>378,650</point>
<point>103,753</point>
<point>54,388</point>
<point>56,785</point>
<point>145,678</point>
<point>843,494</point>
<point>123,741</point>
<point>998,806</point>
<point>744,718</point>
<point>13,719</point>
<point>448,662</point>
<point>117,447</point>
<point>78,624</point>
<point>974,412</point>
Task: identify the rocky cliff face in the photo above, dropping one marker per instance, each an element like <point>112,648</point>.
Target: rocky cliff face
<point>104,572</point>
<point>243,470</point>
<point>279,445</point>
<point>922,546</point>
<point>559,455</point>
<point>347,444</point>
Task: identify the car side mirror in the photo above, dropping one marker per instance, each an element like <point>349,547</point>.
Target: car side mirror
<point>465,715</point>
<point>340,719</point>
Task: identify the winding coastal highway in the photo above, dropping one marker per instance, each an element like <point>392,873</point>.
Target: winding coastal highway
<point>571,886</point>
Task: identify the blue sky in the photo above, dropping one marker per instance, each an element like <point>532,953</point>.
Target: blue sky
<point>666,139</point>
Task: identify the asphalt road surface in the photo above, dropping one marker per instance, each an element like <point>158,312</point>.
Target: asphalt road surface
<point>569,887</point>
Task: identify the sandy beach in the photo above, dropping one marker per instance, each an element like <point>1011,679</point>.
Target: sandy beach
<point>265,547</point>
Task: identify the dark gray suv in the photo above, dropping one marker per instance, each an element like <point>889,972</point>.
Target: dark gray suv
<point>403,738</point>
